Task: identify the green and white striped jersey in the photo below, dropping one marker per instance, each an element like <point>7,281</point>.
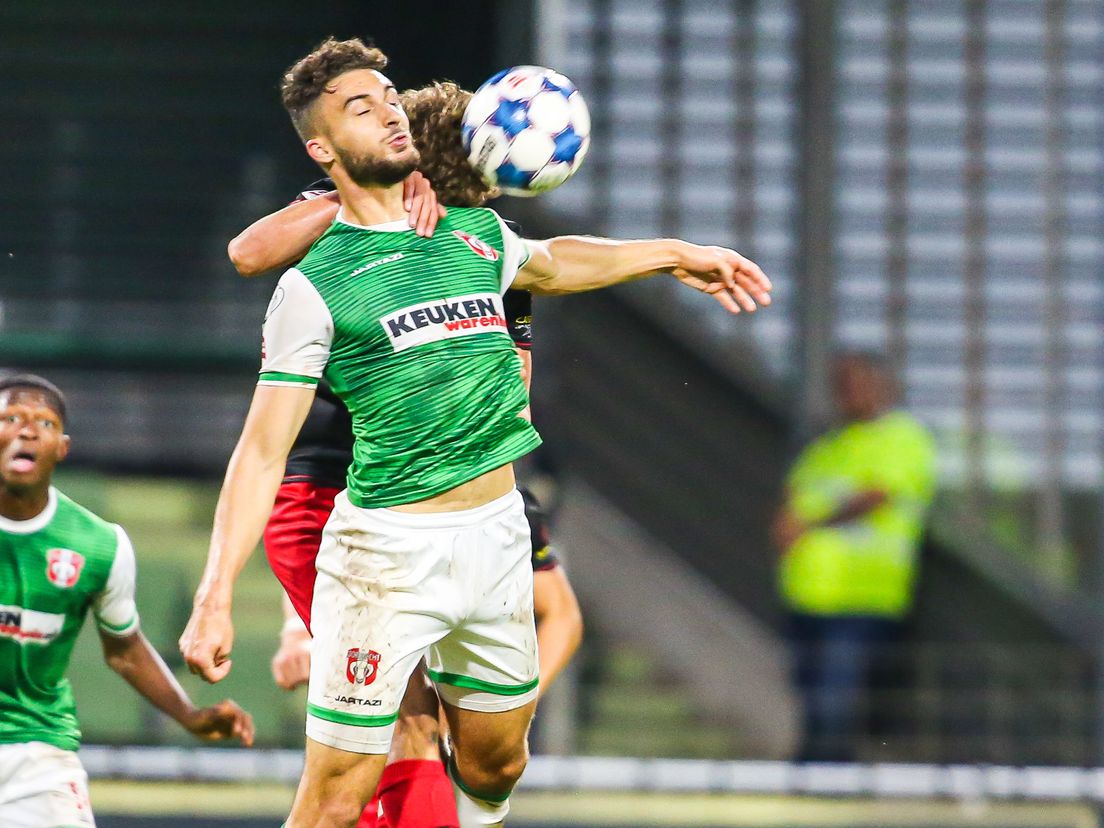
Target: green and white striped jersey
<point>410,333</point>
<point>54,568</point>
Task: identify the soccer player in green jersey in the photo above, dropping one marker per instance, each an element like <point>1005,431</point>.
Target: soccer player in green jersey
<point>57,562</point>
<point>427,550</point>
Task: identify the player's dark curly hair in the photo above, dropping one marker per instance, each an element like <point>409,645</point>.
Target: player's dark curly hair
<point>54,398</point>
<point>435,114</point>
<point>307,79</point>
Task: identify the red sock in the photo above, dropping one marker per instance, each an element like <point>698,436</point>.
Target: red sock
<point>416,793</point>
<point>368,817</point>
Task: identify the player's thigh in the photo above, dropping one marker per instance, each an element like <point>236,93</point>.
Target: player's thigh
<point>372,622</point>
<point>292,537</point>
<point>42,786</point>
<point>488,664</point>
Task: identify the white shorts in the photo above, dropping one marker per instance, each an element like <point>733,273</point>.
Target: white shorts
<point>42,786</point>
<point>456,587</point>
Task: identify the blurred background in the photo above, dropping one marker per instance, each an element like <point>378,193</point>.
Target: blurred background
<point>921,179</point>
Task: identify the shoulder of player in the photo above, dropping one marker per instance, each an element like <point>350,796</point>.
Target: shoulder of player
<point>90,532</point>
<point>473,219</point>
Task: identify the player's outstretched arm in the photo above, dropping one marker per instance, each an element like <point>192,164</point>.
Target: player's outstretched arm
<point>133,658</point>
<point>573,264</point>
<point>559,622</point>
<point>284,237</point>
<point>248,492</point>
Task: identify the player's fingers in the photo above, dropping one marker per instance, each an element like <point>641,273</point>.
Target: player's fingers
<point>743,299</point>
<point>218,672</point>
<point>726,272</point>
<point>248,729</point>
<point>726,300</point>
<point>754,273</point>
<point>410,185</point>
<point>427,215</point>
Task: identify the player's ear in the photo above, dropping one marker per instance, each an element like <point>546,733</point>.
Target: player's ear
<point>319,150</point>
<point>63,447</point>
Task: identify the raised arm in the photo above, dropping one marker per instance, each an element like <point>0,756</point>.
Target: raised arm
<point>284,237</point>
<point>573,264</point>
<point>248,492</point>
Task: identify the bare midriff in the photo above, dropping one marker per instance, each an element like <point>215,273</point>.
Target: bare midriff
<point>483,489</point>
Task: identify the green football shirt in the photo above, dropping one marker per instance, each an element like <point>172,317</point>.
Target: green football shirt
<point>411,335</point>
<point>54,568</point>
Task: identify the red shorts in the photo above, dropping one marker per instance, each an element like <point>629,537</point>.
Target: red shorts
<point>292,536</point>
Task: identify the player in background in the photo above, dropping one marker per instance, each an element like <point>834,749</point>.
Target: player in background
<point>414,788</point>
<point>427,549</point>
<point>57,562</point>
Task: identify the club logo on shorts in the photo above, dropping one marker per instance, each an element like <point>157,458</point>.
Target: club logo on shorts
<point>63,567</point>
<point>477,245</point>
<point>360,668</point>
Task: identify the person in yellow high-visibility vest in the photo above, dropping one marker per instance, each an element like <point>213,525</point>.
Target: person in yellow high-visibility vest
<point>849,531</point>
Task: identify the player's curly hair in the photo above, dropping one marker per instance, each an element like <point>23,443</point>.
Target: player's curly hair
<point>435,114</point>
<point>307,79</point>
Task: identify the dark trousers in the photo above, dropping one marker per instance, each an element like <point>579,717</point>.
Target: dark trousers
<point>832,659</point>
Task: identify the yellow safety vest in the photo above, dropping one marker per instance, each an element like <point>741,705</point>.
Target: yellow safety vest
<point>866,567</point>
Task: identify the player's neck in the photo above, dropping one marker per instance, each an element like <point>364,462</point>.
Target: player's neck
<point>23,504</point>
<point>371,205</point>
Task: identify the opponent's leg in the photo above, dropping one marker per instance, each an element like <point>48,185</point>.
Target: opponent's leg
<point>414,789</point>
<point>490,751</point>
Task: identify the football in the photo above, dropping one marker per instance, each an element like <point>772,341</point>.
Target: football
<point>526,130</point>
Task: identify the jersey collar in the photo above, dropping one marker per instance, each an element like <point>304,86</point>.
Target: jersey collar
<point>397,226</point>
<point>32,525</point>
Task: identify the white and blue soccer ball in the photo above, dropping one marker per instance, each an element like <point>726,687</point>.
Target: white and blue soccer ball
<point>526,130</point>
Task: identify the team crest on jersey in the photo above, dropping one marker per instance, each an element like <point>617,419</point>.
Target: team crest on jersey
<point>63,567</point>
<point>477,245</point>
<point>361,666</point>
<point>444,319</point>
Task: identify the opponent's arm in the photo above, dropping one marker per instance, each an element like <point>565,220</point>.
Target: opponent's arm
<point>291,663</point>
<point>248,492</point>
<point>559,622</point>
<point>284,237</point>
<point>572,264</point>
<point>133,658</point>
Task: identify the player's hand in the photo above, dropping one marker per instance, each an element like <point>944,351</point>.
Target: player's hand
<point>207,641</point>
<point>736,282</point>
<point>291,664</point>
<point>224,720</point>
<point>420,202</point>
